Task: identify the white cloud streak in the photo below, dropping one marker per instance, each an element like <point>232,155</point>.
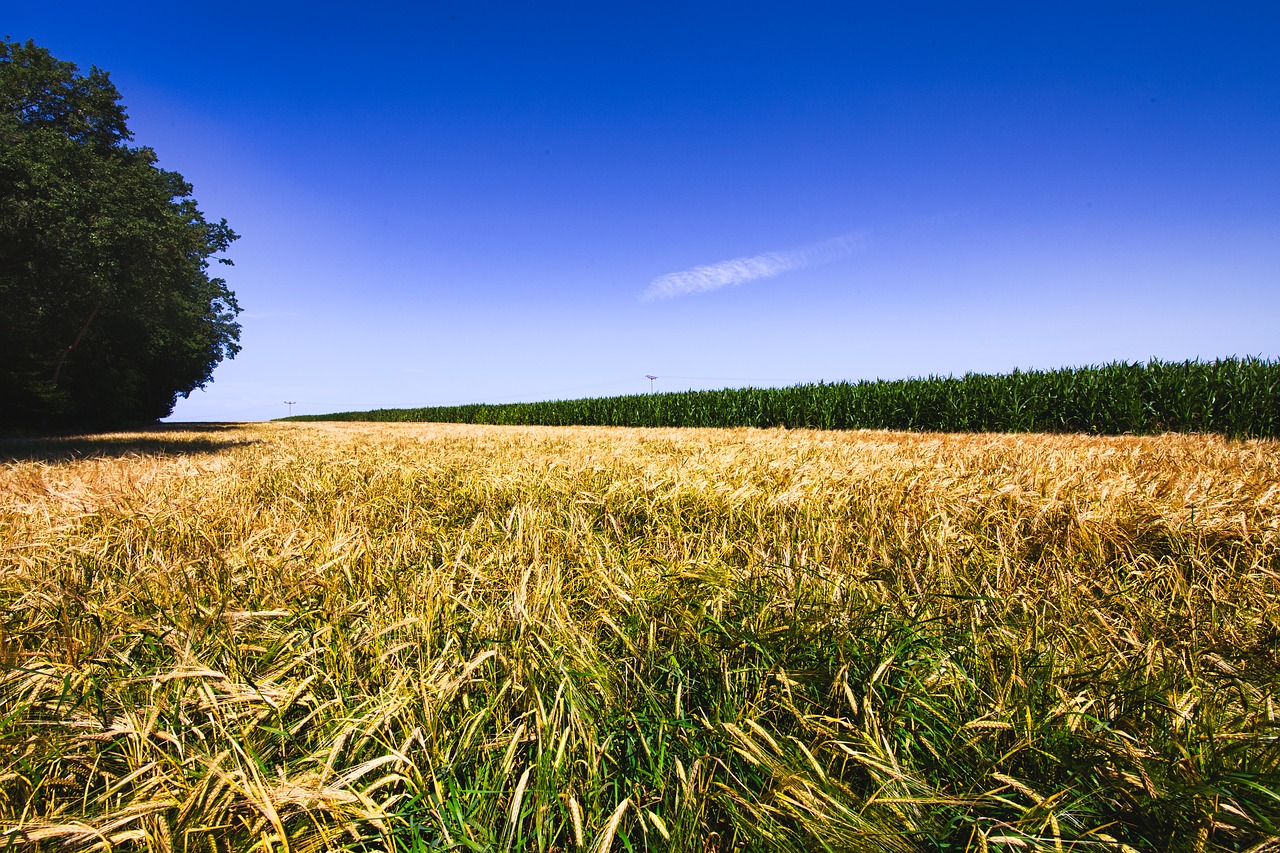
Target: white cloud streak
<point>701,279</point>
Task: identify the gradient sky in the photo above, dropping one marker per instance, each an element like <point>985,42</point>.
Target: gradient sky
<point>462,202</point>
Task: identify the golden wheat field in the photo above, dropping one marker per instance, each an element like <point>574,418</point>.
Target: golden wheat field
<point>435,637</point>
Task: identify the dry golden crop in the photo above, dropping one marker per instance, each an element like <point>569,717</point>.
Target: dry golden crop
<point>427,637</point>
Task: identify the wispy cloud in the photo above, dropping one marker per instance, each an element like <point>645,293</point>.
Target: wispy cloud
<point>739,270</point>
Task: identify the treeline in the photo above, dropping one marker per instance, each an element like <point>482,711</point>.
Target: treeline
<point>1236,397</point>
<point>108,310</point>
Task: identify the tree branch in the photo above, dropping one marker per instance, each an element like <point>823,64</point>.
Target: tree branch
<point>66,352</point>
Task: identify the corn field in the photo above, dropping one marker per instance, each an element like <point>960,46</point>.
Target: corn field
<point>410,637</point>
<point>1235,397</point>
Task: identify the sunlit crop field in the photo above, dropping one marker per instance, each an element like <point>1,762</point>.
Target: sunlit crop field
<point>445,637</point>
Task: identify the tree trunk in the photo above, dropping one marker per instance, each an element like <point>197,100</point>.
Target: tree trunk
<point>62,359</point>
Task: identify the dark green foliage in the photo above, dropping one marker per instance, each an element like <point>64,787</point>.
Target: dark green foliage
<point>108,308</point>
<point>1237,397</point>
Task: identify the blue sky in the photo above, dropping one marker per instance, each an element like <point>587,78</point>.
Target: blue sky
<point>458,202</point>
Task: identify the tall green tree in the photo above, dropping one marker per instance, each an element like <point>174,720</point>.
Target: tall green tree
<point>107,307</point>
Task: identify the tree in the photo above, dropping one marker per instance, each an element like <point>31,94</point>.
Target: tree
<point>107,308</point>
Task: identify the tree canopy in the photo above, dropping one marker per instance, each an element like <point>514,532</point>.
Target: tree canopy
<point>107,307</point>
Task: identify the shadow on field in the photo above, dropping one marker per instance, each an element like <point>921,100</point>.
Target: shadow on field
<point>160,440</point>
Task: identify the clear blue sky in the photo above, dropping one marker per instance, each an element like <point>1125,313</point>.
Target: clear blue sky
<point>479,201</point>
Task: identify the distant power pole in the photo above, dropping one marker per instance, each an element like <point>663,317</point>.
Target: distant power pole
<point>650,378</point>
<point>290,403</point>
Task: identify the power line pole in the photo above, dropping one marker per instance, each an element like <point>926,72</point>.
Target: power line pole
<point>290,403</point>
<point>650,378</point>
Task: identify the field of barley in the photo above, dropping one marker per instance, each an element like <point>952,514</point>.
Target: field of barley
<point>420,637</point>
